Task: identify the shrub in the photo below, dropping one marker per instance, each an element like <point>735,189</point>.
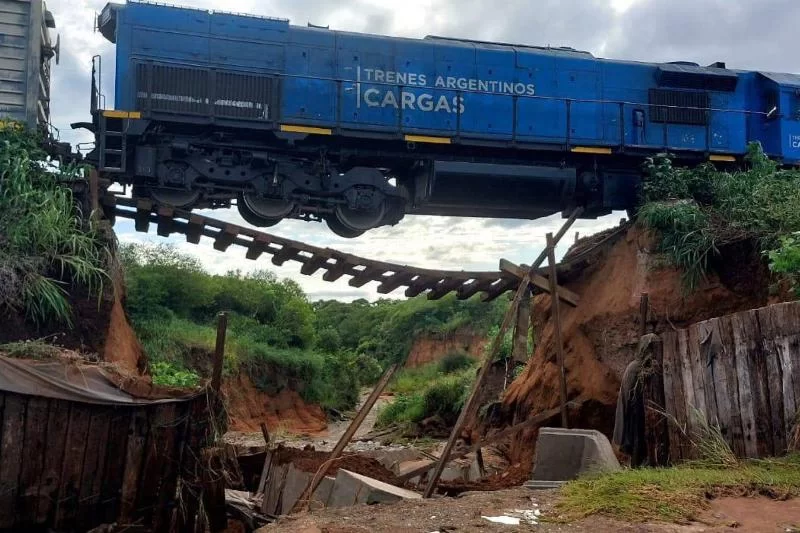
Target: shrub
<point>170,375</point>
<point>455,361</point>
<point>45,243</point>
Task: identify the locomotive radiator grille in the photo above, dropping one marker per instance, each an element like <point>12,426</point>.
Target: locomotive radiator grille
<point>206,92</point>
<point>679,107</point>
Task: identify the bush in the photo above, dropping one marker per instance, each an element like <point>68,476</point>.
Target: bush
<point>455,361</point>
<point>169,375</point>
<point>786,260</point>
<point>45,243</point>
<point>695,212</point>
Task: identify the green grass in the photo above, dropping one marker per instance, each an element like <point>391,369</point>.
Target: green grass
<point>678,494</point>
<point>46,246</point>
<point>429,391</point>
<point>180,353</point>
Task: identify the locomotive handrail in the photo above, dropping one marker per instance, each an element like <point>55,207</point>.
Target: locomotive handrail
<point>389,276</point>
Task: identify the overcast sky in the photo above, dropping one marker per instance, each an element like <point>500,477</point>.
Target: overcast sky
<point>746,34</point>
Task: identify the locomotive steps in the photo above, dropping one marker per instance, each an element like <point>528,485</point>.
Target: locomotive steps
<point>335,264</point>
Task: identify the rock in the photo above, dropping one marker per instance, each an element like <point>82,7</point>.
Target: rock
<point>351,489</point>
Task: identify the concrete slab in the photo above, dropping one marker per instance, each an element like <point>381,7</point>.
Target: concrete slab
<point>542,485</point>
<point>296,482</point>
<point>352,489</point>
<point>564,454</point>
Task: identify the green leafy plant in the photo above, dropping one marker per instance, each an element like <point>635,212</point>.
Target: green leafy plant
<point>786,259</point>
<point>170,375</point>
<point>46,245</point>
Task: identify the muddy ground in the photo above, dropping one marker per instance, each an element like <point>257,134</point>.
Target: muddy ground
<point>464,514</point>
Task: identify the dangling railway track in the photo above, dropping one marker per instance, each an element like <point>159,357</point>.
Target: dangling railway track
<point>335,264</point>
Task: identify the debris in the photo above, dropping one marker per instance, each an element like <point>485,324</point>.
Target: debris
<point>507,520</point>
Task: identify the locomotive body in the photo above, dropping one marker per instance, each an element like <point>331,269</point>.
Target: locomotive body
<point>359,130</point>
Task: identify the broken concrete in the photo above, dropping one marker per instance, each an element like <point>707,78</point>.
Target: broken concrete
<point>564,454</point>
<point>353,489</point>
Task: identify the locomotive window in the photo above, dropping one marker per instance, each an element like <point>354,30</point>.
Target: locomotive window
<point>679,107</point>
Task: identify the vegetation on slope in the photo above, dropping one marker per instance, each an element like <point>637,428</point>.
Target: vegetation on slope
<point>45,245</point>
<point>324,350</point>
<point>436,389</point>
<point>696,211</point>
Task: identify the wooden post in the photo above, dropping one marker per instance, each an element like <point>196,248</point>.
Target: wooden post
<point>554,301</point>
<point>305,497</point>
<point>519,350</point>
<point>219,352</point>
<point>470,404</point>
<point>577,236</point>
<point>644,310</point>
<point>94,193</point>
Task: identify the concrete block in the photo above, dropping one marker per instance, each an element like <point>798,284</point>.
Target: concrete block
<point>352,489</point>
<point>323,493</point>
<point>564,454</point>
<point>296,482</point>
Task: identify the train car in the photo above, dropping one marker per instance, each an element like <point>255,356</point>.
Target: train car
<point>359,130</point>
<point>26,53</point>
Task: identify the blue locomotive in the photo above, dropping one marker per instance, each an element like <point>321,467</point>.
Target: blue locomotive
<point>359,130</point>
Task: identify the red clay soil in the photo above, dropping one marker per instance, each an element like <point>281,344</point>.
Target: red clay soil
<point>248,407</point>
<point>601,333</point>
<point>515,476</point>
<point>121,346</point>
<point>432,347</point>
<point>310,460</point>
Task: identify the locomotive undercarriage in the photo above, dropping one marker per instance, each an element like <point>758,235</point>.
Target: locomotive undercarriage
<point>352,184</point>
<point>268,186</point>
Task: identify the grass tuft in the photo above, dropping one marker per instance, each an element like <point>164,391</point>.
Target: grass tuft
<point>678,494</point>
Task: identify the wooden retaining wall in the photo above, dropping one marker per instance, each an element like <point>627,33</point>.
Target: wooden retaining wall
<point>72,466</point>
<point>741,371</point>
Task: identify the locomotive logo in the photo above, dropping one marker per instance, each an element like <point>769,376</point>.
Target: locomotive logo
<point>383,91</point>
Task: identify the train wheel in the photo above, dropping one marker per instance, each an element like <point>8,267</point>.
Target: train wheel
<point>360,219</point>
<point>340,229</point>
<point>174,197</point>
<point>263,212</point>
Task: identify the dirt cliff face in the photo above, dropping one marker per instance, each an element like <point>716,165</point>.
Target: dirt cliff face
<point>431,347</point>
<point>602,332</point>
<point>286,410</point>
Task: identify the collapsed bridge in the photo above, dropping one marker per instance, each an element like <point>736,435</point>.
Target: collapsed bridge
<point>336,264</point>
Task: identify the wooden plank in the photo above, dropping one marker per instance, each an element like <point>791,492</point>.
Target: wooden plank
<point>444,288</point>
<point>57,432</point>
<point>286,253</point>
<point>775,322</point>
<point>262,483</point>
<point>91,487</point>
<point>682,448</point>
<point>142,217</point>
<point>175,435</point>
<point>556,317</point>
<point>519,350</point>
<point>134,456</point>
<point>668,373</point>
<point>367,275</point>
<point>472,288</point>
<point>194,229</point>
<point>165,221</point>
<point>684,362</point>
<point>313,264</point>
<point>305,497</point>
<point>775,389</point>
<point>540,282</point>
<point>35,448</point>
<point>157,455</point>
<point>391,283</point>
<point>701,389</point>
<point>470,404</point>
<point>114,463</point>
<point>746,403</point>
<point>11,455</point>
<point>656,429</point>
<point>258,246</point>
<point>728,365</point>
<point>74,452</point>
<point>272,497</point>
<point>337,270</point>
<point>759,384</point>
<point>225,237</point>
<point>420,285</point>
<point>713,353</point>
